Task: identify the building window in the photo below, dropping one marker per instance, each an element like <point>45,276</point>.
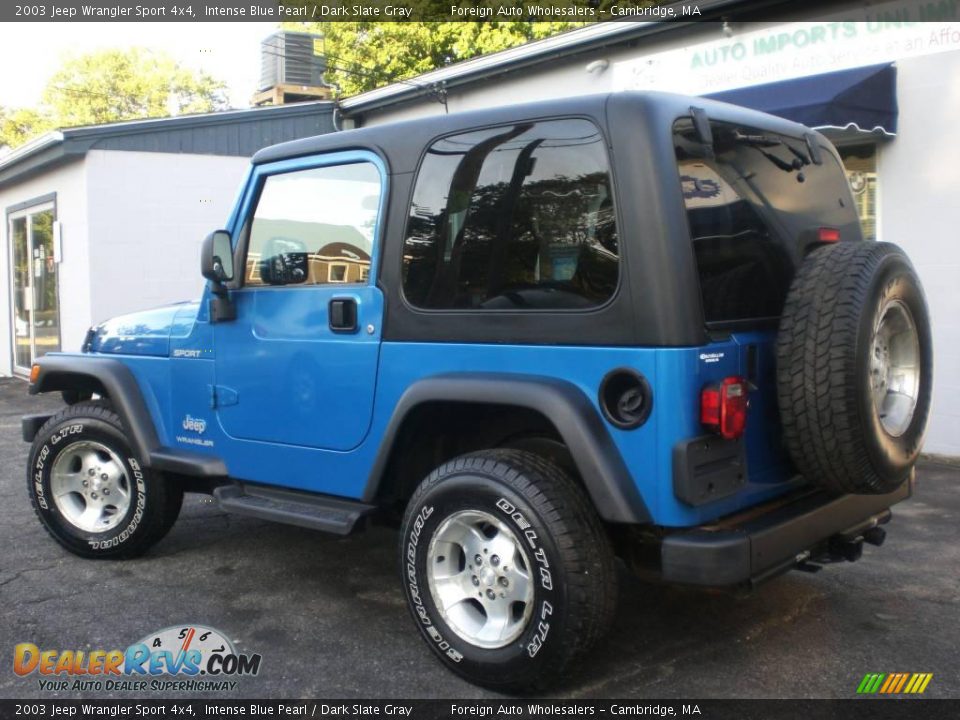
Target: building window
<point>314,227</point>
<point>337,273</point>
<point>860,162</point>
<point>513,218</point>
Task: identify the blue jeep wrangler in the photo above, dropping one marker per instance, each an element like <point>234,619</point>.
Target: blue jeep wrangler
<point>540,338</point>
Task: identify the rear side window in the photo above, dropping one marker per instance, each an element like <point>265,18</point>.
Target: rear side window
<point>748,209</point>
<point>519,217</point>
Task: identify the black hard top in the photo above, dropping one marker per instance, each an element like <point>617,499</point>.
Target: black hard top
<point>403,142</point>
<point>656,303</point>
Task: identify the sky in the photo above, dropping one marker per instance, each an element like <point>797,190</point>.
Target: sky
<point>227,51</point>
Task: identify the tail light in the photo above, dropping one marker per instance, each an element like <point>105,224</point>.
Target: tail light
<point>828,234</point>
<point>723,407</point>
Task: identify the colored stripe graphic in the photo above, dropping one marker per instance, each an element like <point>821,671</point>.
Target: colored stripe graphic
<point>891,681</point>
<point>901,681</point>
<point>894,683</point>
<point>870,683</point>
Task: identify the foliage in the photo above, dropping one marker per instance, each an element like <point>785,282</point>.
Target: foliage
<point>111,85</point>
<point>17,125</point>
<point>363,55</point>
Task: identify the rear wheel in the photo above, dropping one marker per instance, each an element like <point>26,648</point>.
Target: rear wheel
<point>854,367</point>
<point>90,490</point>
<point>507,569</point>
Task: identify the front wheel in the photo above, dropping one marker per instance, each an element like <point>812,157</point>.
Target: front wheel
<point>91,491</point>
<point>507,569</point>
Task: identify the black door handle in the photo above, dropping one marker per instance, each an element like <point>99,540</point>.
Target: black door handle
<point>343,315</point>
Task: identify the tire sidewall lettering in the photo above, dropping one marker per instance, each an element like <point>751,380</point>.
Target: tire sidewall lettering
<point>66,431</point>
<point>415,591</point>
<point>546,612</point>
<point>541,619</point>
<point>44,458</point>
<point>137,516</point>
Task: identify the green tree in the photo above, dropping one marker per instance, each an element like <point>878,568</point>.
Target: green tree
<point>111,85</point>
<point>363,55</point>
<point>17,125</point>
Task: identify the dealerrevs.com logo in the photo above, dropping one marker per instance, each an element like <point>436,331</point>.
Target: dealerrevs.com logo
<point>187,658</point>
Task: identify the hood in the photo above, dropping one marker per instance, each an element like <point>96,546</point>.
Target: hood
<point>142,333</point>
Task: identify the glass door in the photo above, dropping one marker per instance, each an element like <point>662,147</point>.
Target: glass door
<point>20,267</point>
<point>34,284</point>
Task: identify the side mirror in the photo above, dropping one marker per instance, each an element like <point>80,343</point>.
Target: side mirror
<point>216,257</point>
<point>216,265</point>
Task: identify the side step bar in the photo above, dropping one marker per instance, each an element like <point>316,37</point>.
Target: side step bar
<point>317,512</point>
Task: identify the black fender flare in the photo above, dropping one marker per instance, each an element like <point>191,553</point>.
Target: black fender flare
<point>606,477</point>
<point>65,372</point>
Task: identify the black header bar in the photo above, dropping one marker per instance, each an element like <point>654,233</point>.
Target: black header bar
<point>409,10</point>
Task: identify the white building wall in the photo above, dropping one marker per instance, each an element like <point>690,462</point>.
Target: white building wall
<point>919,173</point>
<point>148,213</point>
<point>131,224</point>
<point>70,184</point>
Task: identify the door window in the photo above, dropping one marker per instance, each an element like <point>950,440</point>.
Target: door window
<point>314,227</point>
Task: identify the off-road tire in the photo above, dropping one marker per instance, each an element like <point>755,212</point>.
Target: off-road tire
<point>153,505</point>
<point>575,585</point>
<point>832,428</point>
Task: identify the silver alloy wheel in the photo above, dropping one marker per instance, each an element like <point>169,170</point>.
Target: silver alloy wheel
<point>895,367</point>
<point>480,579</point>
<point>90,486</point>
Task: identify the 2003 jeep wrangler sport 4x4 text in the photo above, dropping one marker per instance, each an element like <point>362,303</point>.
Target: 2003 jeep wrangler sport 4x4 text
<point>541,337</point>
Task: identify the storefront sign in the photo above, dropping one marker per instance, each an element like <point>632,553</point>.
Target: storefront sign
<point>882,33</point>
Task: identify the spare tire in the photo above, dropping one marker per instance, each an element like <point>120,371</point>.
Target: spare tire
<point>854,367</point>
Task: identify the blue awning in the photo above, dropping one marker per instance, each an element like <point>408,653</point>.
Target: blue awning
<point>864,99</point>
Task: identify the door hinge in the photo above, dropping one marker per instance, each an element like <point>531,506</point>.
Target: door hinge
<point>221,396</point>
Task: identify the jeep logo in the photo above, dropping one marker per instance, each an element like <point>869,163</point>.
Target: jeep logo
<point>197,425</point>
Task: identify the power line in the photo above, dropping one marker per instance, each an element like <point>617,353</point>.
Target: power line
<point>378,75</point>
<point>438,91</point>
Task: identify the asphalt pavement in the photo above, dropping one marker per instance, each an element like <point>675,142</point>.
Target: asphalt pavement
<point>327,614</point>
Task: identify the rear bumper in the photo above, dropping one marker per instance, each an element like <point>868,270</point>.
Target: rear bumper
<point>772,538</point>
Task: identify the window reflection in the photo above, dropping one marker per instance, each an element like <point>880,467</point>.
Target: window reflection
<point>314,227</point>
<point>517,217</point>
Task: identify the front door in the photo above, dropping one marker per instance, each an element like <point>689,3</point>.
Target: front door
<point>298,365</point>
<point>34,286</point>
